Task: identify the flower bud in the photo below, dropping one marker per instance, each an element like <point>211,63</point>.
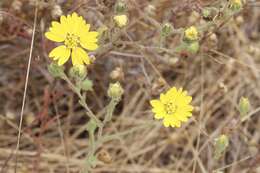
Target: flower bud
<point>235,4</point>
<point>56,11</point>
<point>87,85</point>
<point>150,9</point>
<point>193,47</point>
<point>78,72</point>
<point>104,156</point>
<point>167,28</point>
<point>191,34</point>
<point>17,5</point>
<point>115,91</point>
<point>208,13</point>
<point>121,20</point>
<point>55,70</point>
<point>244,106</point>
<point>117,74</point>
<point>221,143</point>
<point>120,6</point>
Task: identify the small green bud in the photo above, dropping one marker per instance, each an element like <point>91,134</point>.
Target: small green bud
<point>208,13</point>
<point>167,29</point>
<point>91,125</point>
<point>189,47</point>
<point>78,72</point>
<point>115,91</point>
<point>244,106</point>
<point>221,143</point>
<point>120,6</point>
<point>56,70</point>
<point>87,85</point>
<point>193,47</point>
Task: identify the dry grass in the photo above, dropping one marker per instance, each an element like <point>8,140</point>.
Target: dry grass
<point>53,134</point>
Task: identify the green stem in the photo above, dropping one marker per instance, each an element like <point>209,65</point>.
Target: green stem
<point>82,100</point>
<point>110,109</point>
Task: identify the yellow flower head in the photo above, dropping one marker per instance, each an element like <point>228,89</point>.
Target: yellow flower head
<point>173,107</point>
<point>74,33</point>
<point>191,33</point>
<point>121,20</point>
<point>236,4</point>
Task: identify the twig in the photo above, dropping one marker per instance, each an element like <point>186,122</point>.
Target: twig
<point>26,86</point>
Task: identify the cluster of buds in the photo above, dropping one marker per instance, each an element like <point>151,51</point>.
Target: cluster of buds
<point>120,18</point>
<point>191,40</point>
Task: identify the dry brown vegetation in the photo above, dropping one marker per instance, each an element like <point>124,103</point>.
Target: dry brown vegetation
<point>53,133</point>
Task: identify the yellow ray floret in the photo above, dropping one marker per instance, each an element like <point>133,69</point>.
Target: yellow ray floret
<point>173,107</point>
<point>73,32</point>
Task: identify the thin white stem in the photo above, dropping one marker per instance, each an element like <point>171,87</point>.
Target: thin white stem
<point>26,86</point>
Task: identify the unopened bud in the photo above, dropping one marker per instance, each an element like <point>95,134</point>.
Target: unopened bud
<point>104,156</point>
<point>17,5</point>
<point>115,91</point>
<point>56,70</point>
<point>244,106</point>
<point>120,6</point>
<point>193,47</point>
<point>56,11</point>
<point>87,85</point>
<point>121,20</point>
<point>221,143</point>
<point>78,72</point>
<point>150,9</point>
<point>117,74</point>
<point>167,29</point>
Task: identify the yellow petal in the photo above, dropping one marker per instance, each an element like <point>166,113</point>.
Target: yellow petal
<point>79,56</point>
<point>89,41</point>
<point>89,46</point>
<point>54,37</point>
<point>156,103</point>
<point>65,57</point>
<point>60,53</point>
<point>158,115</point>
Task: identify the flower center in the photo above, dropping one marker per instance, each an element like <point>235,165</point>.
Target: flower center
<point>71,41</point>
<point>170,108</point>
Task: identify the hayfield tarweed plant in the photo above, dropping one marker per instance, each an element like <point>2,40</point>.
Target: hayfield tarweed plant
<point>74,37</point>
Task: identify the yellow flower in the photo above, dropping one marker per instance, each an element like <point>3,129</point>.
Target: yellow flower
<point>236,4</point>
<point>191,33</point>
<point>121,20</point>
<point>74,33</point>
<point>173,107</point>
